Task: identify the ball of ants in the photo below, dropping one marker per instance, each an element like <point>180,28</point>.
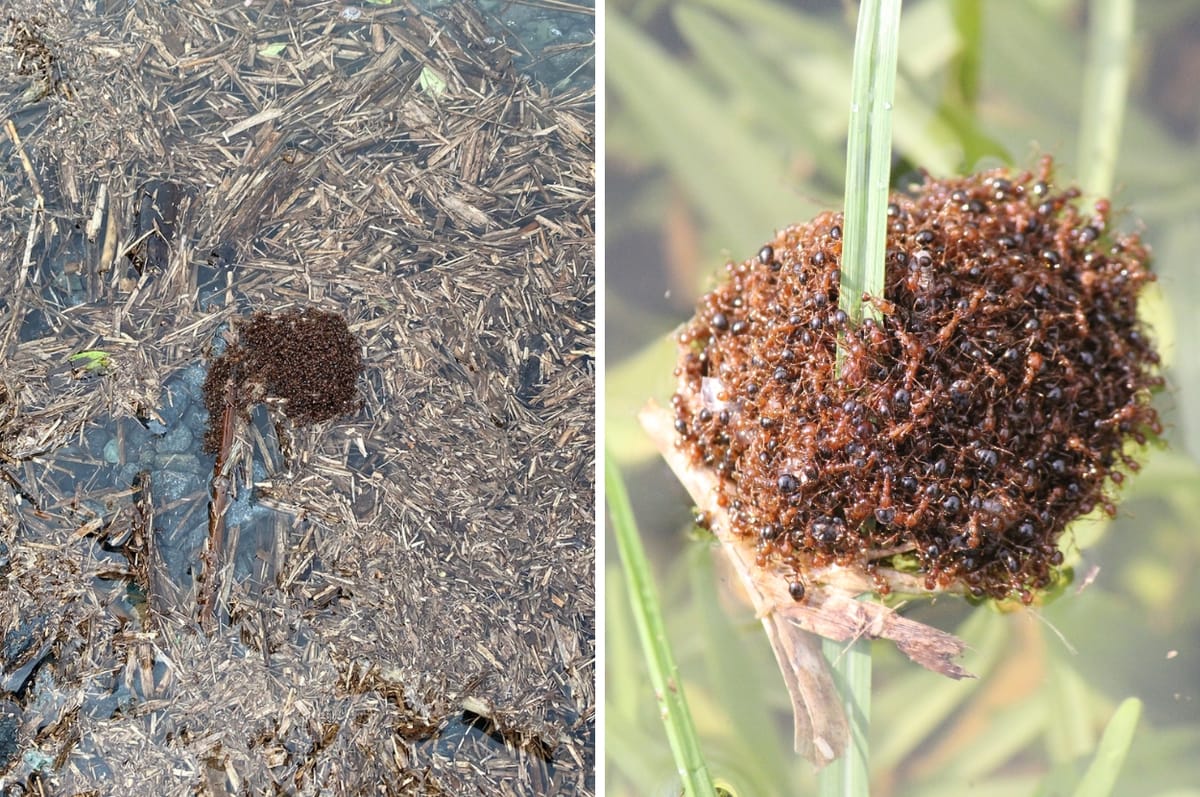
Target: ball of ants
<point>308,358</point>
<point>994,398</point>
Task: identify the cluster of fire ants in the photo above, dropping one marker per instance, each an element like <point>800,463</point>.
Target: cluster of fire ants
<point>994,399</point>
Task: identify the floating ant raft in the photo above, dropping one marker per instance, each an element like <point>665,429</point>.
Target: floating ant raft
<point>990,406</point>
<point>308,358</point>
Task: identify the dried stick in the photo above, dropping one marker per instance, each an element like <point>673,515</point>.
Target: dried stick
<point>30,172</point>
<point>829,609</point>
<point>214,546</point>
<point>138,549</point>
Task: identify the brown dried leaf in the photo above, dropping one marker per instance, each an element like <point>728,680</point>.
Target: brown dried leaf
<point>829,609</point>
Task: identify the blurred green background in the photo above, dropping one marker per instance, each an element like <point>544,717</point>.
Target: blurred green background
<point>725,121</point>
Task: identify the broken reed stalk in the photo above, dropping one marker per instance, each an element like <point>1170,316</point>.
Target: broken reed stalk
<point>138,550</point>
<point>214,546</point>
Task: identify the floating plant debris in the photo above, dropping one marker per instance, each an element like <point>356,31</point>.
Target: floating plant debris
<point>991,405</point>
<point>381,573</point>
<point>154,225</point>
<point>308,358</point>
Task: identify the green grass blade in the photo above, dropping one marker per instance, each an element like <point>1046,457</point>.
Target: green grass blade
<point>664,676</point>
<point>850,775</point>
<point>868,169</point>
<point>869,155</point>
<point>1105,84</point>
<point>757,86</point>
<point>968,19</point>
<point>1110,757</point>
<point>738,185</point>
<point>1070,733</point>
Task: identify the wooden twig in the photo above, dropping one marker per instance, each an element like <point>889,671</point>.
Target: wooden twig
<point>829,609</point>
<point>18,487</point>
<point>137,549</point>
<point>15,137</point>
<point>214,546</point>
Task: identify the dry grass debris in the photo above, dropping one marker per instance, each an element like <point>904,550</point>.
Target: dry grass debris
<point>420,619</point>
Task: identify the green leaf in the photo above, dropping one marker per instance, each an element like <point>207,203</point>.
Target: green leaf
<point>664,675</point>
<point>92,361</point>
<point>1100,777</point>
<point>431,82</point>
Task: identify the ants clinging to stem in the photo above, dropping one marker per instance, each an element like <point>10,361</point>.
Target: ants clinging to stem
<point>991,404</point>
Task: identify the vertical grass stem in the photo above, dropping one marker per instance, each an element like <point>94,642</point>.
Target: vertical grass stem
<point>864,247</point>
<point>664,675</point>
<point>1105,84</point>
<point>869,155</point>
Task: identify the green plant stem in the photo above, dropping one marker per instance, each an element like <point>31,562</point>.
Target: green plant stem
<point>1105,85</point>
<point>869,156</point>
<point>849,776</point>
<point>664,675</point>
<point>863,269</point>
<point>1102,775</point>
